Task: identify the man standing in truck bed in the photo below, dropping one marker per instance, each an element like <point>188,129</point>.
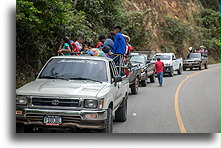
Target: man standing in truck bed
<point>119,43</point>
<point>159,71</point>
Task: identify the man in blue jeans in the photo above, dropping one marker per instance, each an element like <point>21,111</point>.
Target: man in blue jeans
<point>159,66</point>
<point>119,46</point>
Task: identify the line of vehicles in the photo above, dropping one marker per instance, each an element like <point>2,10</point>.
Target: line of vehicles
<point>89,93</point>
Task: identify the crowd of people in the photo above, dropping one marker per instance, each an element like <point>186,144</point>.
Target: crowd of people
<point>202,49</point>
<point>108,46</point>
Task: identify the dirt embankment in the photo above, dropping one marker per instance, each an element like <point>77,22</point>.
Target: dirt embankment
<point>156,10</point>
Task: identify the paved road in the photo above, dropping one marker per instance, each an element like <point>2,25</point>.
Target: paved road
<point>152,110</point>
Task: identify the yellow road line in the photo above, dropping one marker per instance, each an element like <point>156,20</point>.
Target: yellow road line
<point>176,103</point>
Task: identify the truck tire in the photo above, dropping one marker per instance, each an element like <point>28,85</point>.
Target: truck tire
<point>206,66</point>
<point>200,67</point>
<point>179,71</point>
<point>152,78</point>
<point>20,128</point>
<point>108,122</point>
<point>191,68</point>
<point>171,72</point>
<point>143,83</point>
<point>29,129</point>
<point>184,69</point>
<point>134,87</point>
<point>121,112</point>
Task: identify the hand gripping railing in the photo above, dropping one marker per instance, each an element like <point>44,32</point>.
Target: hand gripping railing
<point>120,61</point>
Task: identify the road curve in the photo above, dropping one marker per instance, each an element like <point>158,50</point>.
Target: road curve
<point>152,110</point>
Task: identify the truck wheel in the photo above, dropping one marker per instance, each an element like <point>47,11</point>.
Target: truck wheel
<point>191,68</point>
<point>29,129</point>
<point>206,66</point>
<point>121,112</point>
<point>179,71</point>
<point>134,87</point>
<point>20,128</point>
<point>184,69</point>
<point>200,67</point>
<point>143,83</point>
<point>108,122</point>
<point>152,78</point>
<point>171,72</point>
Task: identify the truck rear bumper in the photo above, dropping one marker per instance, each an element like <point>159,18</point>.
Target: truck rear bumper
<point>69,118</point>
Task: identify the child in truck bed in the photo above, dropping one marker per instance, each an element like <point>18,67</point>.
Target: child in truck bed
<point>93,51</point>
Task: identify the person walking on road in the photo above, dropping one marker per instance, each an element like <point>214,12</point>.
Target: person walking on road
<point>159,66</point>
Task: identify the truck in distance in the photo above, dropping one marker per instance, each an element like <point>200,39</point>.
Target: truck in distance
<point>171,63</point>
<point>146,67</point>
<point>195,60</point>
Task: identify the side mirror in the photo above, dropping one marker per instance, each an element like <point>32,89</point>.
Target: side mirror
<point>117,79</point>
<point>36,75</point>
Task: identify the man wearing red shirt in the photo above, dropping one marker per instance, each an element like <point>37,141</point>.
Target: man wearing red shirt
<point>102,39</point>
<point>159,66</point>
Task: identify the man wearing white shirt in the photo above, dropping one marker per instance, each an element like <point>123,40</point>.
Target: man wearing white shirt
<point>79,42</point>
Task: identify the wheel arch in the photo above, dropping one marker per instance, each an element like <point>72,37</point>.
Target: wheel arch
<point>111,105</point>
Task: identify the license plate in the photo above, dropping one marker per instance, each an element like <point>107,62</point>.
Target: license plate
<point>52,120</point>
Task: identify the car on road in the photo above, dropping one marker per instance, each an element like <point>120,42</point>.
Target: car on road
<point>134,76</point>
<point>83,92</point>
<point>146,67</point>
<point>195,60</point>
<point>171,63</point>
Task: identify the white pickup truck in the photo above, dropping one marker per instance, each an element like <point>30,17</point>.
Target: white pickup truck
<point>171,63</point>
<point>73,91</point>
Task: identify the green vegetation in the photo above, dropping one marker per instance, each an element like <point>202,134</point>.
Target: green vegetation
<point>175,33</point>
<point>135,27</point>
<point>41,24</point>
<point>204,31</point>
<point>211,4</point>
<point>208,22</point>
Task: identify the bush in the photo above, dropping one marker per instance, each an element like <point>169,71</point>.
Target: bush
<point>211,4</point>
<point>136,28</point>
<point>175,33</point>
<point>208,22</point>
